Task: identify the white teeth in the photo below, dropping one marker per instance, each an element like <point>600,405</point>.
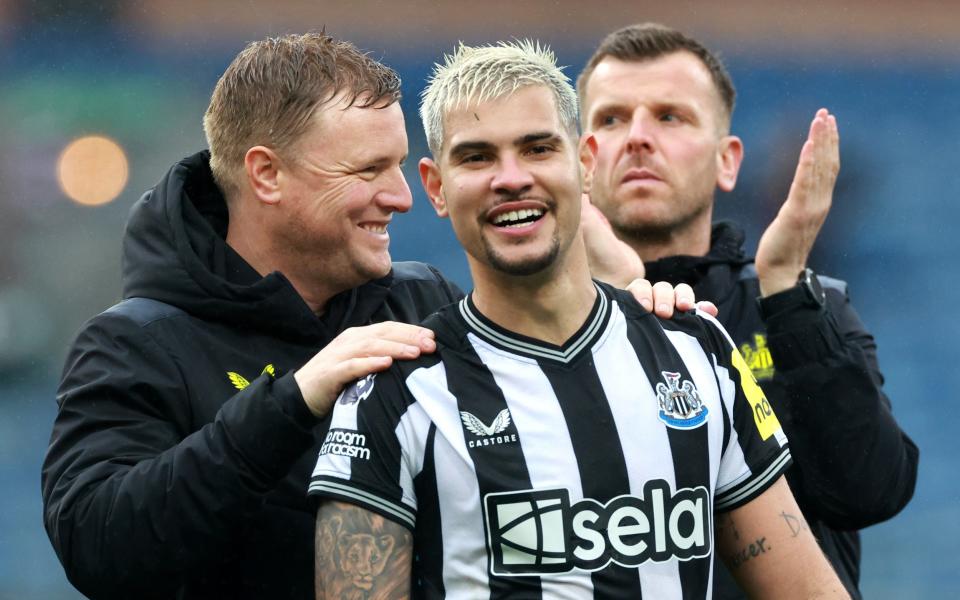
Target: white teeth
<point>375,228</point>
<point>517,215</point>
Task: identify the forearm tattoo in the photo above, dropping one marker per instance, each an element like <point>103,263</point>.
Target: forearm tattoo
<point>360,555</point>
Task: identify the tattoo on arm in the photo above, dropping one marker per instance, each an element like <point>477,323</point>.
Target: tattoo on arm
<point>760,545</point>
<point>796,523</point>
<point>360,555</point>
<point>752,550</point>
<point>726,526</point>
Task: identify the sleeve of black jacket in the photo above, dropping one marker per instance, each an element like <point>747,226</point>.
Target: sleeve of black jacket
<point>134,499</point>
<point>854,466</point>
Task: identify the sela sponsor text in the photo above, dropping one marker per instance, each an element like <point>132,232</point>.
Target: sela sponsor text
<point>538,531</point>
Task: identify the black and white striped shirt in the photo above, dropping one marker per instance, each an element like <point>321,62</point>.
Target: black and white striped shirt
<point>588,470</point>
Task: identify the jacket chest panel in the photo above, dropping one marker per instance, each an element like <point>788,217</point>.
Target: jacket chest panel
<point>216,363</point>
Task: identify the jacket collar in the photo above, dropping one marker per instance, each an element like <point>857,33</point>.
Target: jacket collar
<point>726,248</point>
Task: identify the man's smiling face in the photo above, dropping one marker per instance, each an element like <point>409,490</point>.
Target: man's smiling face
<point>509,178</point>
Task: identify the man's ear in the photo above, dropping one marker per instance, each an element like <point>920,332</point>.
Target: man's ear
<point>588,160</point>
<point>432,185</point>
<point>728,162</point>
<point>262,167</point>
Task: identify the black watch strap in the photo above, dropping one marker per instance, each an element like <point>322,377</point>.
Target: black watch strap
<point>807,293</point>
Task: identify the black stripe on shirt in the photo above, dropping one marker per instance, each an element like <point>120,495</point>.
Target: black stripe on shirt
<point>600,460</point>
<point>498,467</point>
<point>428,566</point>
<point>689,448</point>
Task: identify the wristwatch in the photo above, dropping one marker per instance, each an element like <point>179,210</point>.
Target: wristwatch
<point>815,296</point>
<point>808,292</point>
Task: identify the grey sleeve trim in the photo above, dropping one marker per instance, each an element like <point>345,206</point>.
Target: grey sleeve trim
<point>741,494</point>
<point>391,510</point>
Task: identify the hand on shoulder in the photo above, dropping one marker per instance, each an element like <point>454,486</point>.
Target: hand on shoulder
<point>356,352</point>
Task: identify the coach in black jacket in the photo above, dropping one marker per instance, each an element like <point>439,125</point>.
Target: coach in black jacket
<point>659,105</point>
<point>189,412</point>
<point>179,456</point>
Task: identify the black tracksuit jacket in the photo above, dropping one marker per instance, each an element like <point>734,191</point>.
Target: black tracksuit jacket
<point>852,465</point>
<point>181,452</point>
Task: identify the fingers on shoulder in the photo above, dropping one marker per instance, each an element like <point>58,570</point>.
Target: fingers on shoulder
<point>394,331</point>
<point>664,298</point>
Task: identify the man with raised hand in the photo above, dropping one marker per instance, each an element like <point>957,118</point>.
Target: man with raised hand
<point>659,105</point>
<point>562,441</point>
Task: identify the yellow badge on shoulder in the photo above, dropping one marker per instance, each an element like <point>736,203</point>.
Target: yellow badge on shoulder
<point>758,357</point>
<point>766,421</point>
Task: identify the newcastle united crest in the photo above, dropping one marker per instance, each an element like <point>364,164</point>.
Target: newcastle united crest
<point>680,404</point>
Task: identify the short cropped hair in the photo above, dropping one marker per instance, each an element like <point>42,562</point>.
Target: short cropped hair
<point>271,90</point>
<point>482,73</point>
<point>646,41</point>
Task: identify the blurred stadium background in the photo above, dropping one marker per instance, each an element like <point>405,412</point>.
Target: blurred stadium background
<point>140,73</point>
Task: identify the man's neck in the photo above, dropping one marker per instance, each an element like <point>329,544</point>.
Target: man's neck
<point>254,245</point>
<point>549,306</point>
<point>651,245</point>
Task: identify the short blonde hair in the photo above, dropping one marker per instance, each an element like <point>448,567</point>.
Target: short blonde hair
<point>482,73</point>
<point>270,92</point>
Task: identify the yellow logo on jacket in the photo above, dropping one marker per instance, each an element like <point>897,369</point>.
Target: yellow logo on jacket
<point>758,357</point>
<point>766,421</point>
<point>240,382</point>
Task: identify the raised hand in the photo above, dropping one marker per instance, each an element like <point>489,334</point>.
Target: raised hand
<point>786,244</point>
<point>356,352</point>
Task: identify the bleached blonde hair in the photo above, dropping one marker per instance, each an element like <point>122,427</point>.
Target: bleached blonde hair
<point>474,74</point>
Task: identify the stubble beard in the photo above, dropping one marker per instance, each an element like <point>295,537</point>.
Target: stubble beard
<point>530,266</point>
<point>333,261</point>
<point>674,220</point>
